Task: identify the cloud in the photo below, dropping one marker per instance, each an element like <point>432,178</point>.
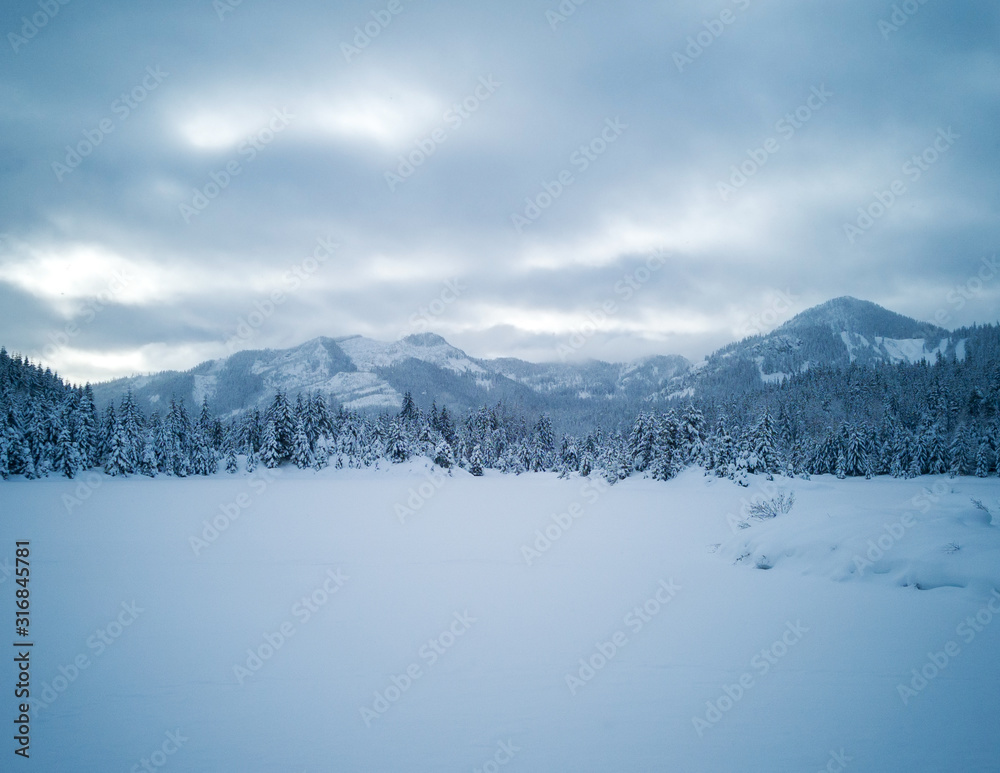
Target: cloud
<point>409,95</point>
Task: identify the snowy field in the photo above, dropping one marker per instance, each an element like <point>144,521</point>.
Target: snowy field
<point>354,621</point>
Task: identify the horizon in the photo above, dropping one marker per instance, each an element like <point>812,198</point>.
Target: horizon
<point>571,359</point>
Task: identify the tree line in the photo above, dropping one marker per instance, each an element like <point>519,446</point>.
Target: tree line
<point>898,420</point>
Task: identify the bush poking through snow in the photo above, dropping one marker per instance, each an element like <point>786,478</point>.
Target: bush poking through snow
<point>980,506</point>
<point>770,508</point>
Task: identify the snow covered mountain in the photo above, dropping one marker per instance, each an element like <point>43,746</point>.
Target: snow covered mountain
<point>836,333</point>
<point>362,373</point>
<point>357,372</point>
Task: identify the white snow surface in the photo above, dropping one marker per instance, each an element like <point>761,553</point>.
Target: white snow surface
<point>897,350</point>
<point>471,645</point>
<point>367,354</point>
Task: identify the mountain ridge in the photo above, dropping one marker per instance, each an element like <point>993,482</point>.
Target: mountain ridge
<point>366,374</point>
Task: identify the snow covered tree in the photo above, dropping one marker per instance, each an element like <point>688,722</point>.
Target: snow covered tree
<point>67,459</point>
<point>983,457</point>
<point>641,442</point>
<point>279,416</point>
<point>270,451</point>
<point>443,455</point>
<point>476,462</point>
<point>302,454</point>
<point>119,460</point>
<point>396,447</point>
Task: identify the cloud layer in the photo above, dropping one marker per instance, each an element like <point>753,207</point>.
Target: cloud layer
<point>496,172</point>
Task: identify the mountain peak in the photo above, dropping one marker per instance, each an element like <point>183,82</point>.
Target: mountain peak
<point>847,314</point>
<point>425,339</point>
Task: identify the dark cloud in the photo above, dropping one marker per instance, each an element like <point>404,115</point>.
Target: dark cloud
<point>503,101</point>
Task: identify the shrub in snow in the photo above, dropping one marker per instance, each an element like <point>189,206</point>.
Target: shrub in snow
<point>770,508</point>
<point>980,506</point>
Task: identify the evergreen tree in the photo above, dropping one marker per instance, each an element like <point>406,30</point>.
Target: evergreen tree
<point>280,417</point>
<point>119,460</point>
<point>983,461</point>
<point>476,462</point>
<point>443,455</point>
<point>271,454</point>
<point>302,454</point>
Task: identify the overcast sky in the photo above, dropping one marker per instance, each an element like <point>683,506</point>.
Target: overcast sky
<point>507,174</point>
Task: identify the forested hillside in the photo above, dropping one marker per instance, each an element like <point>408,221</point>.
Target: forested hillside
<point>903,419</point>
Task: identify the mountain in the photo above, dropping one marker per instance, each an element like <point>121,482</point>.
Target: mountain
<point>357,372</point>
<point>364,374</point>
<point>836,333</point>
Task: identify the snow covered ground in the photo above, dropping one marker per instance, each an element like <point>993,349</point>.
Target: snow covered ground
<point>390,621</point>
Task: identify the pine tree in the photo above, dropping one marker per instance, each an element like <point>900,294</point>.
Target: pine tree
<point>67,459</point>
<point>118,461</point>
<point>443,455</point>
<point>692,435</point>
<point>937,453</point>
<point>960,452</point>
<point>764,455</point>
<point>232,463</point>
<point>203,458</point>
<point>270,451</point>
<point>983,458</point>
<point>280,416</point>
<point>476,462</point>
<point>302,454</point>
<point>409,414</point>
<point>396,447</point>
<point>88,429</point>
<point>148,463</point>
<point>177,446</point>
<point>447,427</point>
<point>641,442</point>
